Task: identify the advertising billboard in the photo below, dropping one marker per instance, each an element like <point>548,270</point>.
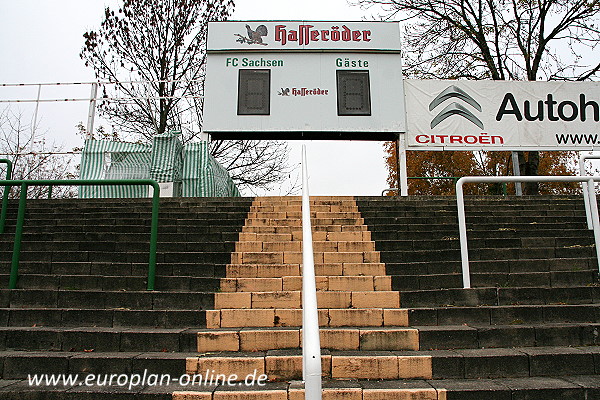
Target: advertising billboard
<point>502,115</point>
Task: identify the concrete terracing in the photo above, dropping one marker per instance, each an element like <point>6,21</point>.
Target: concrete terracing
<point>395,324</point>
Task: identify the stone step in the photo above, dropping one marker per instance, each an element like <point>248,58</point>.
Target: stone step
<point>99,339</point>
<point>252,340</point>
<point>121,246</point>
<point>294,229</point>
<point>168,257</point>
<point>296,246</point>
<point>501,296</point>
<point>355,317</point>
<point>293,299</point>
<point>491,266</point>
<point>498,233</point>
<point>94,299</point>
<point>447,211</point>
<point>452,242</point>
<point>345,283</point>
<point>539,388</point>
<point>198,269</point>
<point>509,314</point>
<point>314,207</point>
<point>479,279</point>
<point>282,271</point>
<point>295,257</point>
<point>315,216</point>
<point>117,317</point>
<point>576,387</point>
<point>466,335</point>
<point>514,253</point>
<point>20,364</point>
<point>112,282</point>
<point>285,365</point>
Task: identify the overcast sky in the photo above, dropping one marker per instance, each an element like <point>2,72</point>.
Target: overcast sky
<point>40,42</point>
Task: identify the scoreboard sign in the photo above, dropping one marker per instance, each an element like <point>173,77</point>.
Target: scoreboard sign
<point>304,80</point>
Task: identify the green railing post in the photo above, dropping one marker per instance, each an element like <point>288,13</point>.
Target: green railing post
<point>14,269</point>
<point>49,191</point>
<point>5,194</point>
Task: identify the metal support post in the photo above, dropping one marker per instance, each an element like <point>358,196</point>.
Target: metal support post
<point>92,111</point>
<point>517,172</point>
<point>401,157</point>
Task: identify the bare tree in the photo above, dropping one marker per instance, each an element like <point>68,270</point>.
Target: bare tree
<point>499,40</point>
<point>32,156</point>
<point>153,53</point>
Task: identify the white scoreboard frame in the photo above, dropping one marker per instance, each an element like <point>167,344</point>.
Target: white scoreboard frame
<point>303,59</point>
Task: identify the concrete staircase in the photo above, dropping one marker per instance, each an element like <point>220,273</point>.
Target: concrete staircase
<point>82,307</point>
<point>395,323</point>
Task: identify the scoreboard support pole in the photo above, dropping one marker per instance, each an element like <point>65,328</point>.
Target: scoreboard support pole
<point>402,173</point>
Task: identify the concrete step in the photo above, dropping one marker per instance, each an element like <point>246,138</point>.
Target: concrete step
<point>295,257</point>
<point>509,314</point>
<point>467,335</point>
<point>112,282</point>
<point>354,317</point>
<point>118,317</point>
<point>539,388</point>
<point>252,340</point>
<point>106,299</point>
<point>492,266</point>
<point>524,279</point>
<point>297,229</point>
<point>20,364</point>
<point>198,269</point>
<point>285,365</point>
<point>501,296</point>
<point>293,299</point>
<point>495,233</point>
<point>296,246</point>
<point>281,271</point>
<point>99,339</point>
<point>515,253</point>
<point>452,242</point>
<point>346,283</point>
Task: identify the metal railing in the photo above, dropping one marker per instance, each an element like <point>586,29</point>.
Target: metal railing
<point>462,227</point>
<point>311,342</point>
<point>24,184</point>
<point>584,185</point>
<point>454,179</point>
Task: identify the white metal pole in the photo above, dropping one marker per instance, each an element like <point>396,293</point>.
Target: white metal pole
<point>403,175</point>
<point>517,172</point>
<point>35,114</point>
<point>584,188</point>
<point>311,343</point>
<point>462,228</point>
<point>92,111</point>
<point>593,204</point>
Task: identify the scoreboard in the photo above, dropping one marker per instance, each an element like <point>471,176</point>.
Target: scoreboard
<point>304,80</point>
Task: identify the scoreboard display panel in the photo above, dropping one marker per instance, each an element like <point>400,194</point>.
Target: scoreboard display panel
<point>304,80</point>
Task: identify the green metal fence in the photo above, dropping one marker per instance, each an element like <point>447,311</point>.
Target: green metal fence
<point>24,184</point>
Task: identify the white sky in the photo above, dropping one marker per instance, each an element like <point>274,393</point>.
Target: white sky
<point>40,42</point>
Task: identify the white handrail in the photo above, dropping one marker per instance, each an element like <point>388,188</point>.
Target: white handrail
<point>462,227</point>
<point>311,342</point>
<point>584,185</point>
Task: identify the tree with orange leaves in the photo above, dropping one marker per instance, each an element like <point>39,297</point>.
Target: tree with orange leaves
<point>455,164</point>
